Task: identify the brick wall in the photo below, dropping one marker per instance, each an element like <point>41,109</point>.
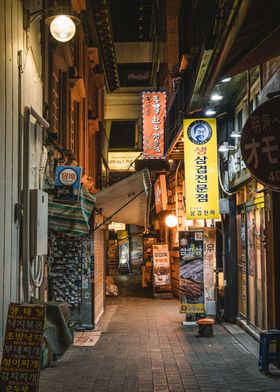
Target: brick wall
<point>172,26</point>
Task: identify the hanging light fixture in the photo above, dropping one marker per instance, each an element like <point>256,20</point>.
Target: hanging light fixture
<point>210,110</point>
<point>61,20</point>
<point>171,220</point>
<point>226,80</point>
<point>217,95</point>
<point>225,147</point>
<point>235,134</point>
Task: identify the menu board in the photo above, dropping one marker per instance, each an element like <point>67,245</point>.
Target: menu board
<point>20,367</point>
<point>161,264</point>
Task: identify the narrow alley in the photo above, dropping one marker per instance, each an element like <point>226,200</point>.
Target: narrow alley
<point>146,348</point>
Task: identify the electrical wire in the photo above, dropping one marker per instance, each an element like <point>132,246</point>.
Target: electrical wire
<point>36,268</point>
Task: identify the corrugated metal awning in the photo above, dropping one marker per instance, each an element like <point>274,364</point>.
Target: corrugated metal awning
<point>127,201</point>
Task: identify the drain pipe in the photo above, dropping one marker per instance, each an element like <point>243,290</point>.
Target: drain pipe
<point>28,112</point>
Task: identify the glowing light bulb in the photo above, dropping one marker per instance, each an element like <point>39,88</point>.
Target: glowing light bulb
<point>171,220</point>
<point>63,28</point>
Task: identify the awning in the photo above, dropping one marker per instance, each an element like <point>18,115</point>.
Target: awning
<point>72,218</point>
<point>127,201</point>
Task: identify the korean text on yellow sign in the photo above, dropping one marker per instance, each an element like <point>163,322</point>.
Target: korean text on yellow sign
<point>201,174</point>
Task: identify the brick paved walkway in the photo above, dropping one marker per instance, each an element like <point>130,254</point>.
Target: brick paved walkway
<point>146,348</point>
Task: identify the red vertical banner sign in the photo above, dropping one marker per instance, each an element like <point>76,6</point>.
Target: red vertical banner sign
<point>154,111</point>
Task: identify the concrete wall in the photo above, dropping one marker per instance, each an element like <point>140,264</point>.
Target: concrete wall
<point>12,40</point>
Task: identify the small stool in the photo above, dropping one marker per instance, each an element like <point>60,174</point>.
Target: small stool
<point>205,327</point>
<point>265,356</point>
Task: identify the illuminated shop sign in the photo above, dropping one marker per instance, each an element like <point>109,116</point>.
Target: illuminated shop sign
<point>201,174</point>
<point>260,144</point>
<point>116,226</point>
<point>154,110</point>
<point>123,161</point>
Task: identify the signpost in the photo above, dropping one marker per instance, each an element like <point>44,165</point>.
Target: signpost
<point>260,144</point>
<point>20,367</point>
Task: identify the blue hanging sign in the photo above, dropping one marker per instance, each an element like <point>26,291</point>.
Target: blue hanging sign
<point>67,183</point>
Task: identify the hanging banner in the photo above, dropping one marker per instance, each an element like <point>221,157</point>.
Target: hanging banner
<point>161,263</point>
<point>209,264</point>
<point>201,179</point>
<point>154,111</point>
<point>191,272</point>
<point>160,193</point>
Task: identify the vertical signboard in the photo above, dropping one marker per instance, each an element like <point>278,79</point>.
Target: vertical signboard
<point>161,264</point>
<point>160,193</point>
<point>209,259</point>
<point>191,272</point>
<point>154,110</point>
<point>20,367</point>
<point>201,180</point>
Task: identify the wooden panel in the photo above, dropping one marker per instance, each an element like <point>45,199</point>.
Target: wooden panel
<point>10,42</point>
<point>12,39</point>
<point>2,163</point>
<point>99,274</point>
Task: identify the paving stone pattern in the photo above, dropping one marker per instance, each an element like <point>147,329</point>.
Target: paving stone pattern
<point>147,349</point>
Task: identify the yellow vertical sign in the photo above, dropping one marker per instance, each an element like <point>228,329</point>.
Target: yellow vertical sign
<point>201,174</point>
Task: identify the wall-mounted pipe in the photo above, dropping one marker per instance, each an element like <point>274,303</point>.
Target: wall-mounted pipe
<point>28,112</point>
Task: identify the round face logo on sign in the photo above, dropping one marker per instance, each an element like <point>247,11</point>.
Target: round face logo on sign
<point>67,177</point>
<point>260,143</point>
<point>199,132</point>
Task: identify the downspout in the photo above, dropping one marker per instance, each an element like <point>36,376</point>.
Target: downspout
<point>28,112</point>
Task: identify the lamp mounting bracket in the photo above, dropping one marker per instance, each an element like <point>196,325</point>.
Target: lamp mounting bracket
<point>30,17</point>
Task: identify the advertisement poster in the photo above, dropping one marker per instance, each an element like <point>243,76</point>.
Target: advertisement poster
<point>191,271</point>
<point>162,273</point>
<point>148,243</point>
<point>124,266</point>
<point>209,258</point>
<point>136,250</point>
<point>201,181</point>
